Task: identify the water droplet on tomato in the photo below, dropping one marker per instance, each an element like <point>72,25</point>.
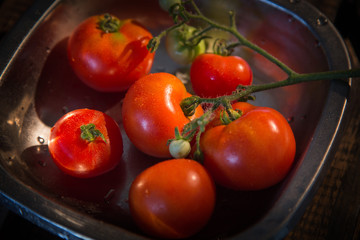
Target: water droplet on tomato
<point>147,192</point>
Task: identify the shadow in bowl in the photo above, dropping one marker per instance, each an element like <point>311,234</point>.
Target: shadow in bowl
<point>59,90</point>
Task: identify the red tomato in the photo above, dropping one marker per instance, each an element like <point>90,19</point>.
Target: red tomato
<point>213,75</point>
<point>85,157</point>
<point>253,152</point>
<point>172,199</point>
<point>151,111</point>
<point>113,60</point>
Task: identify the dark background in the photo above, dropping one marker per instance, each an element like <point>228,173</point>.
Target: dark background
<point>334,212</point>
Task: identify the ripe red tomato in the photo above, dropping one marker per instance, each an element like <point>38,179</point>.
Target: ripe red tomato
<point>172,199</point>
<point>253,152</point>
<point>111,59</point>
<point>151,111</point>
<point>83,150</point>
<point>213,75</point>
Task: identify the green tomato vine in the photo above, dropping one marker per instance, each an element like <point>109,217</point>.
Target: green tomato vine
<point>184,11</point>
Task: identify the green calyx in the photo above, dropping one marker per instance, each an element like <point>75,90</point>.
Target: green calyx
<point>220,47</point>
<point>90,133</point>
<point>189,105</point>
<point>109,23</point>
<point>229,115</point>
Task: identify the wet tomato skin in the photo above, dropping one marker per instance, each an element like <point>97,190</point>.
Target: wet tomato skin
<point>109,61</point>
<point>151,111</point>
<point>214,75</point>
<point>172,199</point>
<point>254,152</point>
<point>78,157</point>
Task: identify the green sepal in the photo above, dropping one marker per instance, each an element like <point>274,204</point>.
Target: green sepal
<point>109,23</point>
<point>227,116</point>
<point>90,133</point>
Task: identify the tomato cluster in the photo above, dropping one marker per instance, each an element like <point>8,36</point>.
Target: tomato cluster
<point>253,152</point>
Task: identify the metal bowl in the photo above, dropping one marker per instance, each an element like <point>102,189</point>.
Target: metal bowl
<point>37,86</point>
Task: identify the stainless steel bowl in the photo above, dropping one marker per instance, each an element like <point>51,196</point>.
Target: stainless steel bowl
<point>37,86</point>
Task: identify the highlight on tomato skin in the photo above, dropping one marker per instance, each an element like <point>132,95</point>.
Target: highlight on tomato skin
<point>172,199</point>
<point>85,143</point>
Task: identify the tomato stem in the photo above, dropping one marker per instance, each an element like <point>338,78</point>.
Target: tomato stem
<point>155,41</point>
<point>109,23</point>
<point>243,93</point>
<point>198,155</point>
<point>90,133</point>
<point>293,77</point>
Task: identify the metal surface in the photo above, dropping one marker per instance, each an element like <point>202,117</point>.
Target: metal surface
<point>37,86</point>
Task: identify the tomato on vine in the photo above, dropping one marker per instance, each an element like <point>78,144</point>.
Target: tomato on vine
<point>213,75</point>
<point>109,54</point>
<point>253,152</point>
<point>180,49</point>
<point>85,143</point>
<point>172,199</point>
<point>151,111</point>
<point>179,148</point>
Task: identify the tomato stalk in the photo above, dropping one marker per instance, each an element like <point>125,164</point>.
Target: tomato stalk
<point>109,24</point>
<point>90,133</point>
<point>155,41</point>
<point>194,129</point>
<point>243,93</point>
<point>293,77</point>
